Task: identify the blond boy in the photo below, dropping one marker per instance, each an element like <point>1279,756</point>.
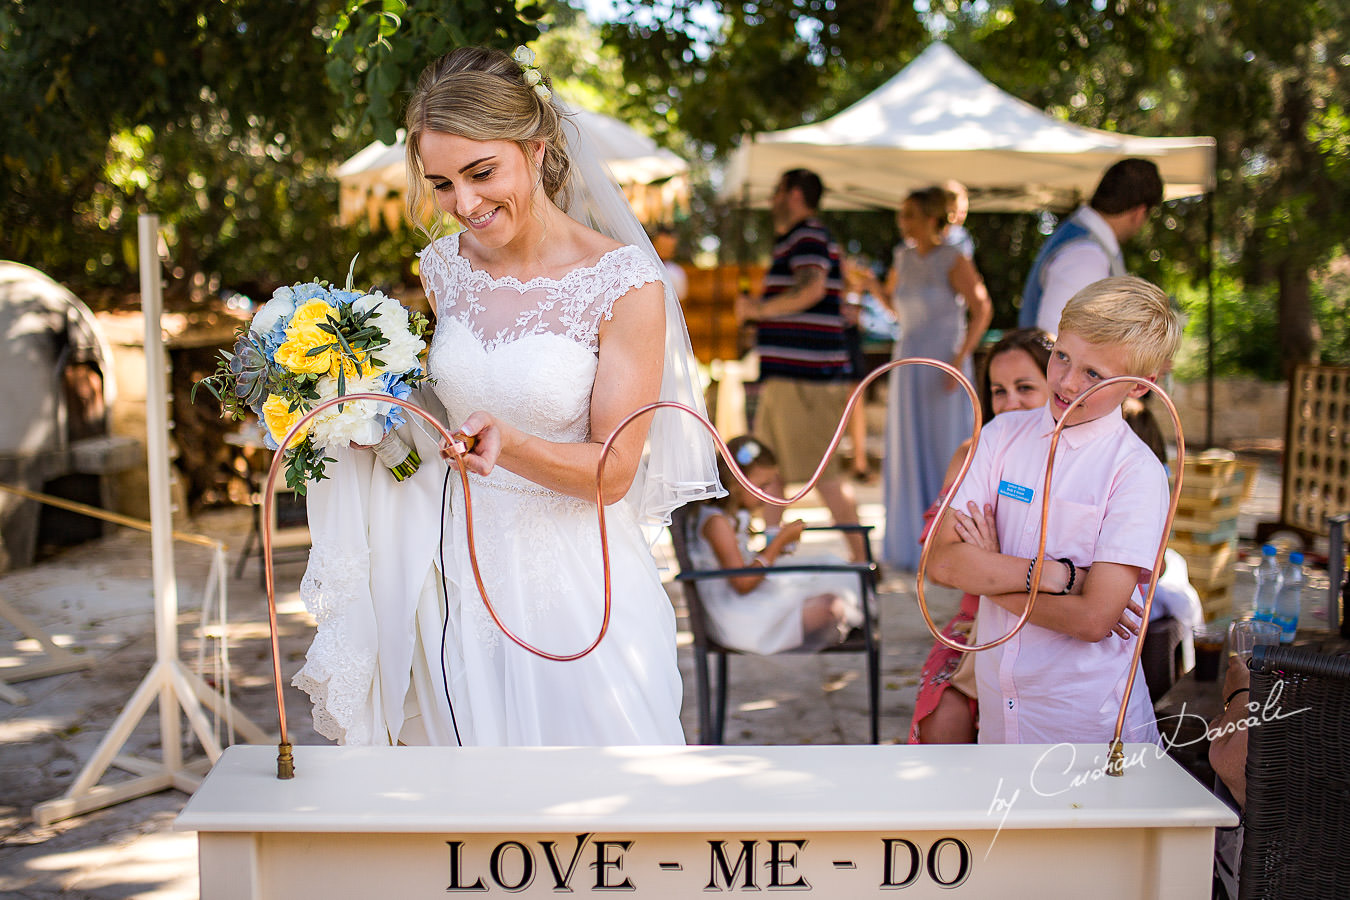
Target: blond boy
<point>1063,676</point>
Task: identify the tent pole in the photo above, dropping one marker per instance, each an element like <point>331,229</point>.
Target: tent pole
<point>1209,314</point>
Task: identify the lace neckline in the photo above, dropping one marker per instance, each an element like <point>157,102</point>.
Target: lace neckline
<point>512,281</point>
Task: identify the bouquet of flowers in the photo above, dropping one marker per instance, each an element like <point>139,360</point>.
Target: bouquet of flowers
<point>311,343</point>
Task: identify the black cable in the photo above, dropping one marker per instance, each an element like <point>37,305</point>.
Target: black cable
<point>445,613</point>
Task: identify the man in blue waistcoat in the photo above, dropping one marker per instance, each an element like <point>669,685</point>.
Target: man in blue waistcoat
<point>1086,246</point>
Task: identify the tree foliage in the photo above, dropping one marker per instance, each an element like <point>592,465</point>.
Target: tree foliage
<point>377,48</point>
<point>226,119</point>
<point>1267,80</point>
<point>716,70</point>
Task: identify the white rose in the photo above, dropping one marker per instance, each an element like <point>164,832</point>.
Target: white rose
<point>279,307</point>
<point>366,302</point>
<point>359,421</point>
<point>402,352</point>
<point>391,318</point>
<point>531,77</point>
<point>523,56</point>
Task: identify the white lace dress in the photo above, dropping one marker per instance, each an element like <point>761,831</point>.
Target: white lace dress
<point>527,353</point>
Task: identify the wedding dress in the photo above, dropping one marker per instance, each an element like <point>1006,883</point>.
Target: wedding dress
<point>400,619</point>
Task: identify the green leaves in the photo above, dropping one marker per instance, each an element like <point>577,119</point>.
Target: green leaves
<point>377,48</point>
<point>729,68</point>
<point>240,115</point>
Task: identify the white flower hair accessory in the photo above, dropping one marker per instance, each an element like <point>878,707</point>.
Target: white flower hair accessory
<point>524,58</point>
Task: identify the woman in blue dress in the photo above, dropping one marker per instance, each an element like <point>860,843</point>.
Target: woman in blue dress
<point>943,308</point>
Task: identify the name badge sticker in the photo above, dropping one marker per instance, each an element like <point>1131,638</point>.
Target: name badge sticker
<point>1015,491</point>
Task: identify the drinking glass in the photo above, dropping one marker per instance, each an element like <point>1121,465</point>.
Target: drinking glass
<point>1244,635</point>
<point>1208,650</point>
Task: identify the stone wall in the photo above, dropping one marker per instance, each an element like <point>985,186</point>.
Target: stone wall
<point>1247,413</point>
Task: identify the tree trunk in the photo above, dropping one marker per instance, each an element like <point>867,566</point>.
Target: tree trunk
<point>1297,330</point>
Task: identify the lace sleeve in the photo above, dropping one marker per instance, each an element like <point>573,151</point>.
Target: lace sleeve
<point>625,269</point>
<point>435,270</point>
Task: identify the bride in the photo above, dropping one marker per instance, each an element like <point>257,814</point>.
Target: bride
<point>549,332</point>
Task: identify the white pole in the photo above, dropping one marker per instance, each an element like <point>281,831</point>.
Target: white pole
<point>157,461</point>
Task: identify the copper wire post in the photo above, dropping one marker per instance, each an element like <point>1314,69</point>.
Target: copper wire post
<point>285,760</point>
<point>285,757</point>
<point>1115,764</point>
<point>455,446</point>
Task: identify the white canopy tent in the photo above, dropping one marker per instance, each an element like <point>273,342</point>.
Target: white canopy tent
<point>373,181</point>
<point>937,119</point>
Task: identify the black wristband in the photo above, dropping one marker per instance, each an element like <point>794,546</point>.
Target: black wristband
<point>1230,697</point>
<point>1073,574</point>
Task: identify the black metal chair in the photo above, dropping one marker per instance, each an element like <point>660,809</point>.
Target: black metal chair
<point>1296,823</point>
<point>1162,655</point>
<point>864,639</point>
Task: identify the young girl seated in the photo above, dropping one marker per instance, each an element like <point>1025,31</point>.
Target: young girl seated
<point>754,613</point>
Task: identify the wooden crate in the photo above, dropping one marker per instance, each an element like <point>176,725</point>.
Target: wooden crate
<point>1204,517</point>
<point>1211,565</point>
<point>1204,529</point>
<point>1217,602</point>
<point>1211,536</point>
<point>710,308</point>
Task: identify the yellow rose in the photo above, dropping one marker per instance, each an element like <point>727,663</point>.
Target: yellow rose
<point>293,354</point>
<point>349,368</point>
<point>277,415</point>
<point>307,316</point>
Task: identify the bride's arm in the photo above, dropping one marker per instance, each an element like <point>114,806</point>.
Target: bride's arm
<point>632,350</point>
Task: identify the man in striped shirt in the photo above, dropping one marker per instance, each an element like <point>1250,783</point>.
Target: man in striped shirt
<point>805,373</point>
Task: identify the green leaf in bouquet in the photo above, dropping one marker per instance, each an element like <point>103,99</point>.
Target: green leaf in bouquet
<point>351,272</point>
<point>305,463</point>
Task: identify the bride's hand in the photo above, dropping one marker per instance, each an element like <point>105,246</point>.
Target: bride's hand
<point>482,459</point>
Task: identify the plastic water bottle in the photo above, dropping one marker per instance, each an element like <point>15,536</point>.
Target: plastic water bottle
<point>1290,598</point>
<point>1267,584</point>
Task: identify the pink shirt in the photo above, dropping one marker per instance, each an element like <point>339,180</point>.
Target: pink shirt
<point>1108,503</point>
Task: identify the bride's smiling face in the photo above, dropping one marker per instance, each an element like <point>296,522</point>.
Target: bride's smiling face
<point>488,186</point>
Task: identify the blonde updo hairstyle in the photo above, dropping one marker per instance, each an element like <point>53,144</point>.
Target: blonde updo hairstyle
<point>481,94</point>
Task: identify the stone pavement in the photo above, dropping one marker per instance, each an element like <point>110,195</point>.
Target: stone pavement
<point>98,598</point>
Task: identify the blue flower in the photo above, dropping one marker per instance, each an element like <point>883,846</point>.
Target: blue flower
<point>396,387</point>
<point>310,290</point>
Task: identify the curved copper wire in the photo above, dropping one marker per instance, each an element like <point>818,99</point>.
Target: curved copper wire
<point>452,448</point>
<point>853,400</point>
